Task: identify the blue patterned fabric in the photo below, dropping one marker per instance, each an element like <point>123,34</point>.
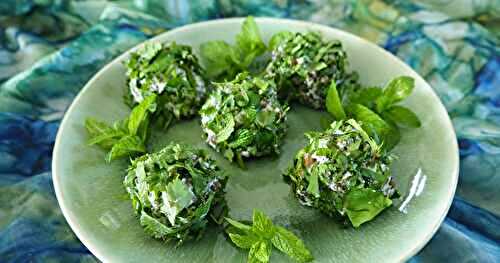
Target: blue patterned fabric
<point>50,48</point>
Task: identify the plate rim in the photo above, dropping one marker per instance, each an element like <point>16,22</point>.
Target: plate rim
<point>57,144</point>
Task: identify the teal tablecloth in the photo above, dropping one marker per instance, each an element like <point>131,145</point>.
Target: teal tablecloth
<point>50,48</point>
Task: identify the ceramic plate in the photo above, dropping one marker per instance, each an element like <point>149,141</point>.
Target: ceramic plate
<point>94,202</point>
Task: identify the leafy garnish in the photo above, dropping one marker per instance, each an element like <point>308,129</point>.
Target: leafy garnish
<point>288,243</point>
<point>366,96</point>
<point>260,251</point>
<point>402,116</point>
<point>102,134</point>
<point>126,138</point>
<point>396,91</point>
<point>218,59</point>
<point>140,113</point>
<point>376,109</point>
<point>262,235</point>
<point>371,122</point>
<point>128,145</point>
<point>224,62</point>
<point>249,43</point>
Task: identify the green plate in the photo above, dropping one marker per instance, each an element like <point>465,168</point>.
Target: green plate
<point>94,202</point>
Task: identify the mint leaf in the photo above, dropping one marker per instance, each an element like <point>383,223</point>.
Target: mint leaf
<point>102,134</point>
<point>362,205</point>
<point>140,113</point>
<point>243,241</point>
<point>244,137</point>
<point>290,244</point>
<point>228,128</point>
<point>262,225</point>
<point>393,135</point>
<point>238,225</point>
<point>177,197</point>
<point>249,43</point>
<point>154,227</point>
<point>402,116</point>
<point>178,192</point>
<point>333,104</point>
<point>201,211</point>
<point>366,96</point>
<point>260,237</point>
<point>265,118</point>
<point>108,139</point>
<point>126,146</point>
<point>313,187</point>
<point>116,139</point>
<point>397,90</point>
<point>260,252</point>
<point>223,61</point>
<point>125,138</point>
<point>217,58</point>
<point>371,122</point>
<point>95,127</point>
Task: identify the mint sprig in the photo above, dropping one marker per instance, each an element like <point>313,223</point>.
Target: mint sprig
<point>224,61</point>
<point>125,138</point>
<point>262,235</point>
<point>376,108</point>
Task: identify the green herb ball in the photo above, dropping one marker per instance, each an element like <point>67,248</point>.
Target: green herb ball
<point>176,191</point>
<point>303,65</point>
<point>170,70</point>
<point>343,173</point>
<point>243,118</point>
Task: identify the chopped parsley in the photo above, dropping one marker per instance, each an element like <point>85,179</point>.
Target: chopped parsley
<point>176,191</point>
<point>243,118</point>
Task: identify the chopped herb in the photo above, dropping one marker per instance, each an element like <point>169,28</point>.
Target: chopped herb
<point>243,118</point>
<point>224,62</point>
<point>343,172</point>
<point>170,71</point>
<point>303,65</point>
<point>262,235</point>
<point>176,191</point>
